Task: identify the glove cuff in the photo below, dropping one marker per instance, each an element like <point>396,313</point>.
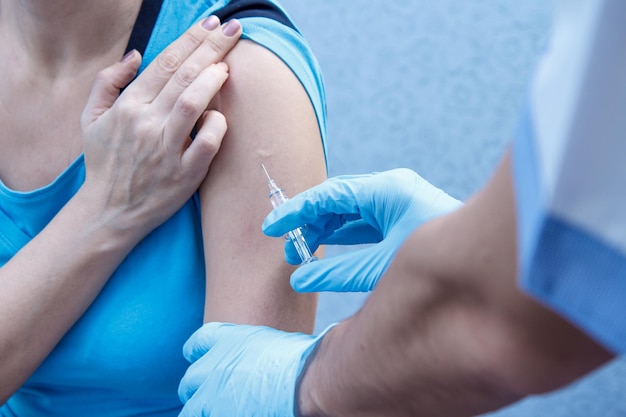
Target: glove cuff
<point>306,359</point>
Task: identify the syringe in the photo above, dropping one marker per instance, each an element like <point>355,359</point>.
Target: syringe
<point>278,197</point>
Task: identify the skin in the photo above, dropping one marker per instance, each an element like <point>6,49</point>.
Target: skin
<point>133,184</point>
<point>466,340</point>
<point>271,121</point>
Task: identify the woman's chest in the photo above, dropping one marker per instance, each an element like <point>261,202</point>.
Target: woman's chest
<point>40,136</point>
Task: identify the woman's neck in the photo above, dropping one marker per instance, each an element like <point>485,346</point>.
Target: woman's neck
<point>58,35</point>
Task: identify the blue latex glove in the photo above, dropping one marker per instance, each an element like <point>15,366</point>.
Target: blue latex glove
<point>382,208</point>
<point>242,371</point>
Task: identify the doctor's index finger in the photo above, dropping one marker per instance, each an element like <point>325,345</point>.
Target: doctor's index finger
<point>327,205</point>
<point>220,39</point>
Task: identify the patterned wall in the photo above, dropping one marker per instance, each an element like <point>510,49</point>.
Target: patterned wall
<point>431,85</point>
<point>435,85</point>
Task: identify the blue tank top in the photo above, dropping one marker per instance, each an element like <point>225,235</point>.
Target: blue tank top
<point>123,357</point>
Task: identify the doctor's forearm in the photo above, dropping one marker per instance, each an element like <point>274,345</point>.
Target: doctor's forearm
<point>418,348</point>
<point>447,332</point>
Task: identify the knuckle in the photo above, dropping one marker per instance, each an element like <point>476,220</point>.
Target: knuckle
<point>106,80</point>
<point>186,74</point>
<point>128,114</point>
<point>104,75</point>
<point>212,132</point>
<point>214,45</point>
<point>126,106</point>
<point>189,104</point>
<point>194,37</point>
<point>144,128</point>
<point>210,142</point>
<point>168,62</point>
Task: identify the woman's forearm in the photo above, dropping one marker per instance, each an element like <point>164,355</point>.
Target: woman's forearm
<point>52,280</point>
<point>137,174</point>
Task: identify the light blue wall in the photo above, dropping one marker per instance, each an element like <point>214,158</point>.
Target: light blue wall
<point>435,85</point>
<point>432,85</point>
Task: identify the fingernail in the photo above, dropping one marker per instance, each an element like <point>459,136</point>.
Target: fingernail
<point>128,56</point>
<point>231,27</point>
<point>211,22</point>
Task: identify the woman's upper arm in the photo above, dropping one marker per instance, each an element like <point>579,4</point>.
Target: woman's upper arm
<point>270,120</point>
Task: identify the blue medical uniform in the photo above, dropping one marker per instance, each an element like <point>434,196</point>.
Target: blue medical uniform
<point>124,355</point>
<point>570,172</point>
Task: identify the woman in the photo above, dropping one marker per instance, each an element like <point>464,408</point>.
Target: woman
<point>132,296</point>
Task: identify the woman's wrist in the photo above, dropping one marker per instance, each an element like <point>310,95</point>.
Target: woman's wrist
<point>110,227</point>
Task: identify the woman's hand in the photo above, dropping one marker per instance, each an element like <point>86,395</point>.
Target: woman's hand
<point>141,167</point>
<point>141,164</point>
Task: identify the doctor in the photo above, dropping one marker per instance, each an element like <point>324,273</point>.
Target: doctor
<point>518,291</point>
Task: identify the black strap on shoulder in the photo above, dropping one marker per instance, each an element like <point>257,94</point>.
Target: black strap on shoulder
<point>147,17</point>
<point>237,9</point>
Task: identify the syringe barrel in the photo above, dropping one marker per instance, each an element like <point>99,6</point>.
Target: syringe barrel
<point>278,197</point>
<point>297,238</point>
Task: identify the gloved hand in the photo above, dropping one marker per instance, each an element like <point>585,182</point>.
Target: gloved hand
<point>381,207</point>
<point>242,371</point>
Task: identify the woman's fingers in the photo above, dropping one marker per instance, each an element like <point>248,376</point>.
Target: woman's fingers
<point>138,154</point>
<point>198,156</point>
<point>107,86</point>
<point>192,103</point>
<point>219,41</point>
<point>174,67</point>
